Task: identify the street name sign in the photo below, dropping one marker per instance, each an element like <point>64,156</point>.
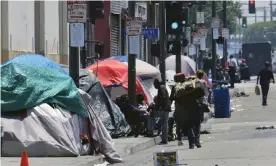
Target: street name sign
<point>151,33</point>
<point>76,11</point>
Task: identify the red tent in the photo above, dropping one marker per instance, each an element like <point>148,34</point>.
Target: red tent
<point>113,72</point>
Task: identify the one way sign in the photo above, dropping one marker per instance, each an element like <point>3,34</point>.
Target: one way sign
<point>173,47</point>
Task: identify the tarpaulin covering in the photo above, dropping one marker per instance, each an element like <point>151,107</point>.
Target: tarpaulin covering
<point>110,114</point>
<point>143,69</point>
<point>36,60</point>
<point>113,72</point>
<point>188,66</point>
<point>47,131</point>
<point>103,142</point>
<point>44,132</point>
<point>24,87</point>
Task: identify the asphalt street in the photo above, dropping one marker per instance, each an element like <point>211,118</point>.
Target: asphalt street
<point>233,141</point>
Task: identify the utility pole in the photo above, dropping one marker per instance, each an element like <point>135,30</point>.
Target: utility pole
<point>256,17</point>
<point>162,41</point>
<point>264,14</point>
<point>214,49</point>
<point>73,60</point>
<point>131,61</point>
<point>271,11</point>
<point>39,23</point>
<point>225,40</point>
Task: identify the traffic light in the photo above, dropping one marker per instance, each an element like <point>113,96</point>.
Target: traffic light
<point>176,17</point>
<point>244,22</point>
<point>96,10</point>
<point>251,7</point>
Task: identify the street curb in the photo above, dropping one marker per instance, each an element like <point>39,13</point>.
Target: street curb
<point>142,146</point>
<point>98,160</point>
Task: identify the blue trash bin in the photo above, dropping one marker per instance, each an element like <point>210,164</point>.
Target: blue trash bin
<point>222,103</point>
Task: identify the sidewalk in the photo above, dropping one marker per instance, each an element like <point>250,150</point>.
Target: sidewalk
<point>124,146</point>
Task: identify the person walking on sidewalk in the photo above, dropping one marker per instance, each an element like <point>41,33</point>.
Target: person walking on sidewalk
<point>180,131</point>
<point>163,104</point>
<point>233,65</point>
<point>265,76</point>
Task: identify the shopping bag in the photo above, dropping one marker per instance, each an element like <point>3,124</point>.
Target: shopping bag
<point>257,90</point>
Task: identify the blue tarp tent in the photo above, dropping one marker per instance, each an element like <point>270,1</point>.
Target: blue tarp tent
<point>36,60</point>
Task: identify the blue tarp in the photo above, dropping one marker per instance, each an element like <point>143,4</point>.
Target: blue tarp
<point>36,60</point>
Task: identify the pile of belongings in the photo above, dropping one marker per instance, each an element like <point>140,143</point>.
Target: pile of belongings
<point>44,113</point>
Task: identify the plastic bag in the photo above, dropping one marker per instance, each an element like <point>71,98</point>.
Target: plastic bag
<point>257,90</point>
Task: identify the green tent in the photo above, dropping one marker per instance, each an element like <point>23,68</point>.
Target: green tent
<point>24,87</point>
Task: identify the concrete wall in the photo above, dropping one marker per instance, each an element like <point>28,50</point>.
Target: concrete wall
<point>21,29</point>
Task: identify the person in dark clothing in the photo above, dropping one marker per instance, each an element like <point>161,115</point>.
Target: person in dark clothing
<point>163,104</point>
<point>178,78</point>
<point>265,76</point>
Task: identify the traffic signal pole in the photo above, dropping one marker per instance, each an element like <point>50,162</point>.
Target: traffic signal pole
<point>178,55</point>
<point>131,62</point>
<point>225,40</point>
<point>214,49</point>
<point>162,41</point>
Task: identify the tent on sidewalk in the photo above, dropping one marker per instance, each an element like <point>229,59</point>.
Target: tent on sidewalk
<point>51,131</point>
<point>110,114</point>
<point>113,75</point>
<point>42,111</point>
<point>145,72</point>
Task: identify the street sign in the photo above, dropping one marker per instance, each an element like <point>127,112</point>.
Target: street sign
<point>134,45</point>
<point>199,17</point>
<point>203,31</point>
<point>77,35</point>
<point>203,43</point>
<point>76,11</point>
<point>173,47</point>
<point>215,33</point>
<point>134,26</point>
<point>151,33</point>
<point>225,33</point>
<point>196,38</point>
<point>215,23</point>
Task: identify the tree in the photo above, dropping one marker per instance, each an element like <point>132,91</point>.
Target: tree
<point>233,12</point>
<point>261,32</point>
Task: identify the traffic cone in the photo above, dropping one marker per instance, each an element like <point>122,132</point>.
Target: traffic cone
<point>24,159</point>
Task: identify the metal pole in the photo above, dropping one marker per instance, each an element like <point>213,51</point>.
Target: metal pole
<point>73,61</point>
<point>271,11</point>
<point>39,20</point>
<point>225,40</point>
<point>214,50</point>
<point>264,14</point>
<point>131,62</point>
<point>162,41</point>
<point>256,16</point>
<point>240,30</point>
<point>178,55</point>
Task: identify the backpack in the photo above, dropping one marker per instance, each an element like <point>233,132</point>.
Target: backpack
<point>189,90</point>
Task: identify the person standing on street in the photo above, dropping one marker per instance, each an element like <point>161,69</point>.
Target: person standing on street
<point>265,76</point>
<point>163,104</point>
<point>178,79</point>
<point>233,65</point>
